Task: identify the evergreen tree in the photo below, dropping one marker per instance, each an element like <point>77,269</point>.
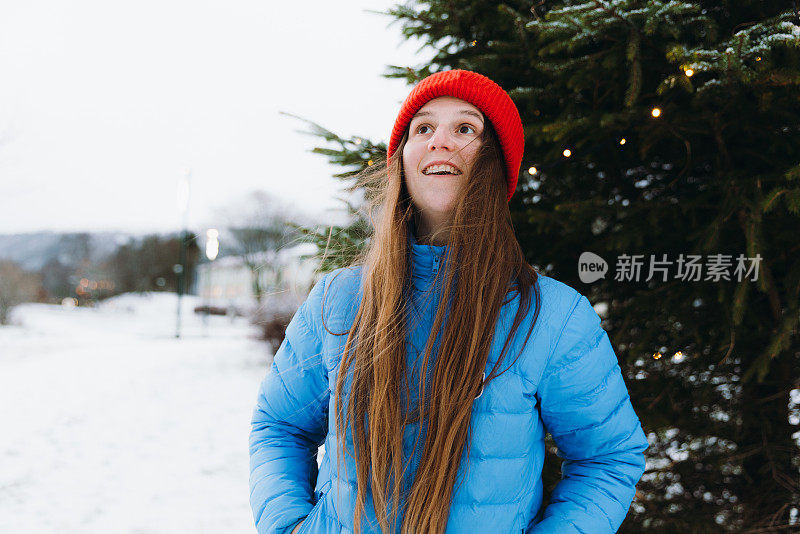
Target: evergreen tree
<point>339,245</point>
<point>141,263</point>
<point>663,129</point>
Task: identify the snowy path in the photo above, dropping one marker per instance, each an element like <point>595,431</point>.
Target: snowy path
<point>110,424</point>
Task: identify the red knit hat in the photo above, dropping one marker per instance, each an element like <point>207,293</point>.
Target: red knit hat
<point>479,91</point>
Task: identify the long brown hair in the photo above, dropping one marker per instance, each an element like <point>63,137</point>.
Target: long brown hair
<point>485,267</point>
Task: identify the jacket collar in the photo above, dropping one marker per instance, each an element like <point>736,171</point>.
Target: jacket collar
<point>425,259</point>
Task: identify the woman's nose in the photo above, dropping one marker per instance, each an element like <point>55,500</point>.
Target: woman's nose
<point>441,138</point>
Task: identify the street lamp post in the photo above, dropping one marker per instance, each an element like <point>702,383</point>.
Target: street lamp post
<point>212,249</point>
<point>180,267</point>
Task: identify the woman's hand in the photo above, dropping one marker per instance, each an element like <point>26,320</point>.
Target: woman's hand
<point>297,527</point>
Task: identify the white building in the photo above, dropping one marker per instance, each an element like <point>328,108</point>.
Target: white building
<point>228,281</point>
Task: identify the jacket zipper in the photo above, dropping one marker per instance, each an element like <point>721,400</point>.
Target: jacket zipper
<point>420,446</point>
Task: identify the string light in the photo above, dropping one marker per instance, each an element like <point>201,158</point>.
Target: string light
<point>678,356</point>
<point>369,163</point>
<point>567,152</point>
<point>758,58</point>
<point>622,141</point>
<point>656,112</point>
<point>473,43</point>
<point>532,170</point>
<point>657,356</point>
<point>689,73</point>
<point>357,140</point>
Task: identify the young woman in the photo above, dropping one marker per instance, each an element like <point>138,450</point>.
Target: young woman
<point>432,367</point>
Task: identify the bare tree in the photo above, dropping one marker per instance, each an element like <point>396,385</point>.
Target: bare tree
<point>257,228</point>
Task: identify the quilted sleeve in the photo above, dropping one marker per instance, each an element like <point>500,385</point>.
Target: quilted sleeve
<point>586,407</point>
<point>289,424</point>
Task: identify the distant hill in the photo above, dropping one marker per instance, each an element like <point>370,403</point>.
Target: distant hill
<point>33,250</point>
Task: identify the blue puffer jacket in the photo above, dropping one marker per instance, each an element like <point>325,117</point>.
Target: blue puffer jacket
<point>567,382</point>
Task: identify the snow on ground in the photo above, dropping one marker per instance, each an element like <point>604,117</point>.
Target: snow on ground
<point>111,424</point>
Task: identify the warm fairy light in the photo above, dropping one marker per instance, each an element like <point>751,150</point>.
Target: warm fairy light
<point>622,141</point>
<point>473,43</point>
<point>678,356</point>
<point>532,170</point>
<point>357,140</point>
<point>567,152</point>
<point>657,356</point>
<point>656,112</point>
<point>369,163</point>
<point>758,58</point>
<point>689,72</point>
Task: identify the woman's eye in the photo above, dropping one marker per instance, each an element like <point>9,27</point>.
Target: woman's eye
<point>460,128</point>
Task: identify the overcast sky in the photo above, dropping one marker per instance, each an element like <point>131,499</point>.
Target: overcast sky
<point>103,104</point>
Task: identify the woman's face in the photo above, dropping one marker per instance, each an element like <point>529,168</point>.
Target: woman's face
<point>447,130</point>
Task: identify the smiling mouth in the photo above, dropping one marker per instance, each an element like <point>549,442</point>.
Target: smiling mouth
<point>441,169</point>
